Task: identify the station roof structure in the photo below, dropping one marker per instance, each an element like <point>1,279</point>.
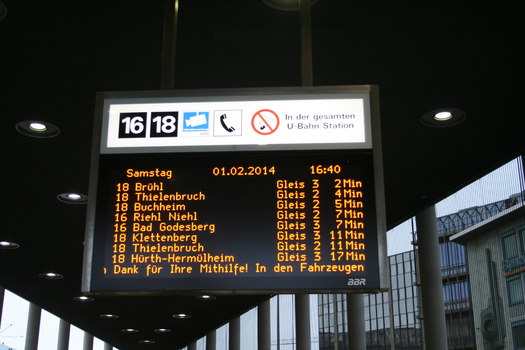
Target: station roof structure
<point>423,56</point>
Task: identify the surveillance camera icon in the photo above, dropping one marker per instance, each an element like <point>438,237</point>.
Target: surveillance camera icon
<point>195,121</point>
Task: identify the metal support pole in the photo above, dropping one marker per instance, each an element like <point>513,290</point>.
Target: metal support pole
<point>336,321</point>
<point>302,321</point>
<point>234,334</point>
<point>302,302</point>
<point>521,175</point>
<point>169,41</point>
<point>355,309</point>
<point>211,340</point>
<point>434,326</point>
<point>278,322</point>
<point>306,42</point>
<point>2,294</point>
<point>88,341</point>
<point>63,335</point>
<point>108,346</point>
<point>391,322</point>
<point>263,326</point>
<point>33,327</point>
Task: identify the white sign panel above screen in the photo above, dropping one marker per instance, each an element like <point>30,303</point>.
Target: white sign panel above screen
<point>234,123</point>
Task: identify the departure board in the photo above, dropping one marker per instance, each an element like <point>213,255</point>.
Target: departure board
<point>287,220</point>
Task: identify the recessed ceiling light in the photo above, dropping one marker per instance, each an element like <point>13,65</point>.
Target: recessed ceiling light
<point>147,341</point>
<point>443,117</point>
<point>38,127</point>
<point>51,276</point>
<point>73,198</point>
<point>162,330</point>
<point>181,316</point>
<point>108,316</point>
<point>8,245</point>
<point>286,5</point>
<point>130,330</point>
<point>83,299</point>
<point>205,297</point>
<point>3,11</point>
<point>35,128</point>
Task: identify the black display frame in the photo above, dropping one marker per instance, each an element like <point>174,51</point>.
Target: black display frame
<point>368,159</point>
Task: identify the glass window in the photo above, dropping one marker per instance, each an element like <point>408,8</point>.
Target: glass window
<point>443,255</point>
<point>397,322</point>
<point>97,344</point>
<point>522,238</point>
<point>447,293</point>
<point>402,306</point>
<point>221,335</point>
<point>465,291</point>
<point>201,343</point>
<point>367,327</point>
<point>76,338</point>
<point>408,266</point>
<point>393,270</point>
<point>380,310</point>
<point>515,289</point>
<point>248,329</point>
<point>14,321</point>
<point>396,308</point>
<point>404,319</point>
<point>410,306</point>
<point>400,281</point>
<point>394,282</point>
<point>395,294</point>
<point>510,244</point>
<point>518,335</point>
<point>411,319</point>
<point>380,323</point>
<point>373,311</point>
<point>48,327</point>
<point>408,279</point>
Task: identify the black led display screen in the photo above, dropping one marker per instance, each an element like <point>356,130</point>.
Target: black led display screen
<point>245,221</point>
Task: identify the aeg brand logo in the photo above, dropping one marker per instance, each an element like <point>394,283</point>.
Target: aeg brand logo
<point>137,125</point>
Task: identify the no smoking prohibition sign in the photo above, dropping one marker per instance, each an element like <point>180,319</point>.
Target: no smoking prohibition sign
<point>265,122</point>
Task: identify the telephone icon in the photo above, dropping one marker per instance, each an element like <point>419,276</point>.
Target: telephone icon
<point>224,125</point>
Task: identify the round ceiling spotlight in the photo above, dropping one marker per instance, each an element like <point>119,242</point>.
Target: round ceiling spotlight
<point>130,330</point>
<point>109,316</point>
<point>205,297</point>
<point>162,330</point>
<point>286,5</point>
<point>39,129</point>
<point>73,198</point>
<point>147,341</point>
<point>443,117</point>
<point>51,276</point>
<point>3,10</point>
<point>83,299</point>
<point>9,245</point>
<point>181,316</point>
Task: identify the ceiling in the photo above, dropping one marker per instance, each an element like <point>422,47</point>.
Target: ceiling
<point>55,55</point>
